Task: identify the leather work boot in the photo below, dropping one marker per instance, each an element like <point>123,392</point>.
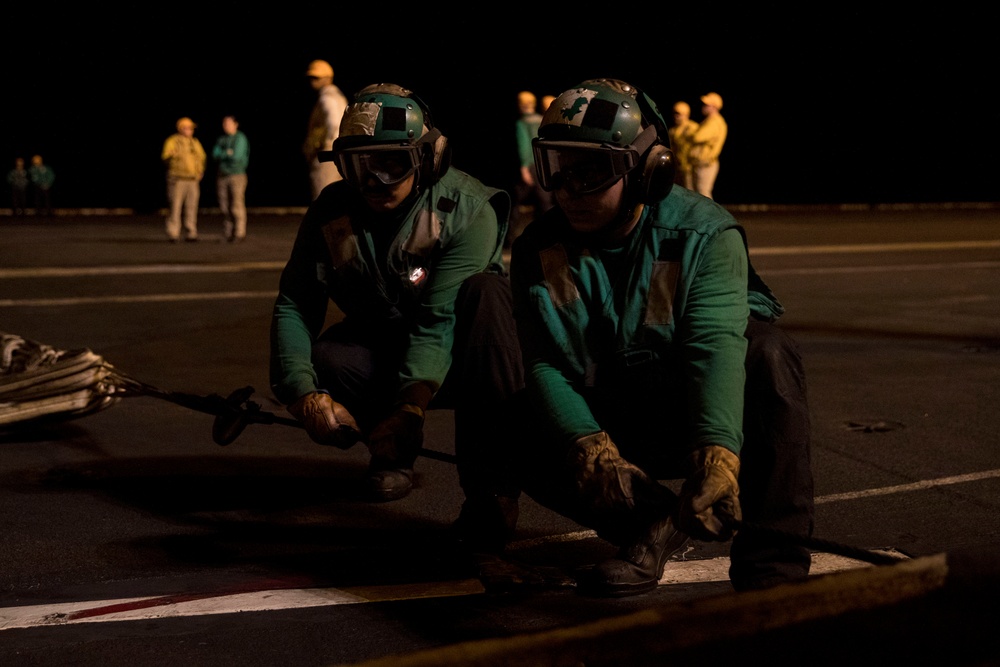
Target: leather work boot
<point>638,567</point>
<point>389,484</point>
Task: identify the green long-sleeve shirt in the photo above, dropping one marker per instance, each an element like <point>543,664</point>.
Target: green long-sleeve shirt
<point>232,153</point>
<point>674,299</point>
<point>41,176</point>
<point>18,179</point>
<point>453,230</point>
<point>525,130</point>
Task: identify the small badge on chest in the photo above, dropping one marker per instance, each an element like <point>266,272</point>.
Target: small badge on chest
<point>418,275</point>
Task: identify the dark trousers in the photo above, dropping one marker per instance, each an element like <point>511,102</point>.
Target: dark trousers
<point>359,365</point>
<point>18,200</point>
<point>43,201</point>
<point>776,483</point>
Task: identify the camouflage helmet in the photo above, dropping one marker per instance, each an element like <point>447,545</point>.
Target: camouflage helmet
<point>600,111</point>
<point>599,132</point>
<point>382,113</point>
<point>387,131</point>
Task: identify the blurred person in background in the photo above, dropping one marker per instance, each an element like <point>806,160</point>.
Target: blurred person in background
<point>530,200</point>
<point>681,132</point>
<point>324,125</point>
<point>18,180</point>
<point>706,145</point>
<point>42,177</point>
<point>184,158</point>
<point>232,155</point>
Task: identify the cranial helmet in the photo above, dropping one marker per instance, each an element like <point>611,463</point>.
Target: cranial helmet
<point>320,69</point>
<point>600,131</point>
<point>387,132</point>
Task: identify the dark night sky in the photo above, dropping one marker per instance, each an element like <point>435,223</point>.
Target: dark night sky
<point>840,104</point>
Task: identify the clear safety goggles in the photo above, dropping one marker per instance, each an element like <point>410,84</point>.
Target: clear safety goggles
<point>390,164</point>
<point>579,167</point>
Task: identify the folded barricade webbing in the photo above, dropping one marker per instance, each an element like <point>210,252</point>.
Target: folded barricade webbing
<point>38,380</point>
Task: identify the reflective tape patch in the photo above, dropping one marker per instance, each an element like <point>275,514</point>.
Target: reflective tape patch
<point>360,119</point>
<point>662,287</point>
<point>340,241</point>
<point>558,279</point>
<point>425,235</point>
<point>572,106</point>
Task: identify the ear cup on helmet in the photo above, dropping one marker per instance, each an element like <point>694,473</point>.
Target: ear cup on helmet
<point>435,159</point>
<point>435,152</point>
<point>660,165</point>
<point>657,174</point>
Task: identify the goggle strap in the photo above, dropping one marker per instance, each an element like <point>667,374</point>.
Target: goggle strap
<point>430,137</point>
<point>645,139</point>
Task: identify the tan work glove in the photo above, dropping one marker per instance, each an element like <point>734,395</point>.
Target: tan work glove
<point>399,437</point>
<point>326,421</point>
<point>710,496</point>
<point>605,480</point>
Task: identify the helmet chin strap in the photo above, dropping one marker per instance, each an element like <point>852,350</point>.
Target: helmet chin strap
<point>631,205</point>
<point>625,212</point>
<point>632,188</point>
<point>629,210</point>
<point>415,192</point>
<point>612,232</point>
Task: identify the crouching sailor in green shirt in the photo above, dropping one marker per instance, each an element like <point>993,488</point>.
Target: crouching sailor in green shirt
<point>410,251</point>
<point>650,354</point>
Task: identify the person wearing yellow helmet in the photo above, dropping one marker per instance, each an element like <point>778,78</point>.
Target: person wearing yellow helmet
<point>706,145</point>
<point>324,125</point>
<point>530,199</point>
<point>680,134</point>
<point>410,249</point>
<point>42,177</point>
<point>651,353</point>
<point>185,159</point>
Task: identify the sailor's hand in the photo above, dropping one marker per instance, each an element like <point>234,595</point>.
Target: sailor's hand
<point>607,482</point>
<point>326,421</point>
<point>710,496</point>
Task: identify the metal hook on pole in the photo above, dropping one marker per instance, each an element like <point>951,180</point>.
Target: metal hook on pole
<point>232,413</point>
